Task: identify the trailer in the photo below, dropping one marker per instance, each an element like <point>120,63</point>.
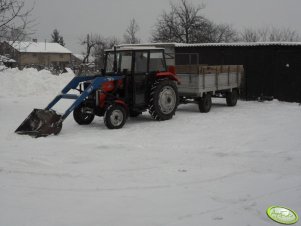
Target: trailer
<point>199,83</point>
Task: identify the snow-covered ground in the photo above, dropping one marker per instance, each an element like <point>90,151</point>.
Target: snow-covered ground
<point>222,168</point>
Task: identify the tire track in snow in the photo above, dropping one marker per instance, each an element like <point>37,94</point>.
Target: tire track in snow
<point>72,175</point>
<point>134,188</point>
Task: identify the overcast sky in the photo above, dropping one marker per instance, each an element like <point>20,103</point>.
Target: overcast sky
<point>75,18</point>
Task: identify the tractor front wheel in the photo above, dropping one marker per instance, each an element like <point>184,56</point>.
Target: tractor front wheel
<point>83,115</point>
<point>115,116</point>
<point>163,100</point>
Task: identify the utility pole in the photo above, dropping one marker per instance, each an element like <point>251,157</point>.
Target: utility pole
<point>88,43</point>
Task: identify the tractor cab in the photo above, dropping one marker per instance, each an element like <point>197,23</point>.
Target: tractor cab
<point>139,66</point>
<point>135,60</point>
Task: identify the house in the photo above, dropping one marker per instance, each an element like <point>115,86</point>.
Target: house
<point>39,54</point>
<point>272,69</point>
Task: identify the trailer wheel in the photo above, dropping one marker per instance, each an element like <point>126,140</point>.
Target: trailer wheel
<point>163,100</point>
<point>115,116</point>
<point>81,116</point>
<point>205,103</point>
<point>231,98</point>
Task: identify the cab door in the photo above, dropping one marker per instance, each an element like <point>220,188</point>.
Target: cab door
<point>140,76</point>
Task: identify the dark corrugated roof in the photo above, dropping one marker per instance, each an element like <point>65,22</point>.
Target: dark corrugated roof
<point>233,44</point>
<point>241,44</point>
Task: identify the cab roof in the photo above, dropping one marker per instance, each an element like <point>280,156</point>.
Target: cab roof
<point>131,48</point>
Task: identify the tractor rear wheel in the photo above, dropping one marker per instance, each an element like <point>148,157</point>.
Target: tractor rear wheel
<point>115,116</point>
<point>205,103</point>
<point>163,100</point>
<point>82,115</point>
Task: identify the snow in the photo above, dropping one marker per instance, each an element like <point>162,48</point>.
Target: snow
<point>6,59</point>
<point>79,56</point>
<point>239,44</point>
<point>39,47</point>
<point>174,44</point>
<point>31,82</point>
<point>222,168</point>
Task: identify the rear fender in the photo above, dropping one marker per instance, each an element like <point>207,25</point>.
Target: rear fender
<point>168,75</point>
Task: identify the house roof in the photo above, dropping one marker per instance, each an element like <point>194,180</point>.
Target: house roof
<point>38,47</point>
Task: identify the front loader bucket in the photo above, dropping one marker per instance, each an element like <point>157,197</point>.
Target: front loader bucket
<point>41,123</point>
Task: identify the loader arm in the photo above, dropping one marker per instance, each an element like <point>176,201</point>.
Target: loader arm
<point>96,82</point>
<point>43,122</point>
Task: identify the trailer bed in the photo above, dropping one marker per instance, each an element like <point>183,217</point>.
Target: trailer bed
<point>195,81</point>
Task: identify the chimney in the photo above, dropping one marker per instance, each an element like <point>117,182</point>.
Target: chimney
<point>35,40</point>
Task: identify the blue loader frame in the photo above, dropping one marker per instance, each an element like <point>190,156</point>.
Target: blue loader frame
<point>96,82</point>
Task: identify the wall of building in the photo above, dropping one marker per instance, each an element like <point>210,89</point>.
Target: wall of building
<point>272,71</point>
<point>46,59</point>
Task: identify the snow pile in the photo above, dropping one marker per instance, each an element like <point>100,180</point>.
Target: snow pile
<point>30,81</point>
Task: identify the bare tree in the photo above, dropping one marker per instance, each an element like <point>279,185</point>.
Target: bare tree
<point>99,50</point>
<point>96,45</point>
<point>111,42</point>
<point>130,35</point>
<point>222,33</point>
<point>269,34</point>
<point>184,23</point>
<point>90,43</point>
<point>15,23</point>
<point>284,34</point>
<point>249,35</point>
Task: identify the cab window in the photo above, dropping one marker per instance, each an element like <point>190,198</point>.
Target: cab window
<point>141,62</point>
<point>156,61</point>
<point>125,61</point>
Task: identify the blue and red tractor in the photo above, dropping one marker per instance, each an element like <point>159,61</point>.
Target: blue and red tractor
<point>134,80</point>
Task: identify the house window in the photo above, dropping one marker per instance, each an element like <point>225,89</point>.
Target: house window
<point>34,55</point>
<point>61,56</point>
